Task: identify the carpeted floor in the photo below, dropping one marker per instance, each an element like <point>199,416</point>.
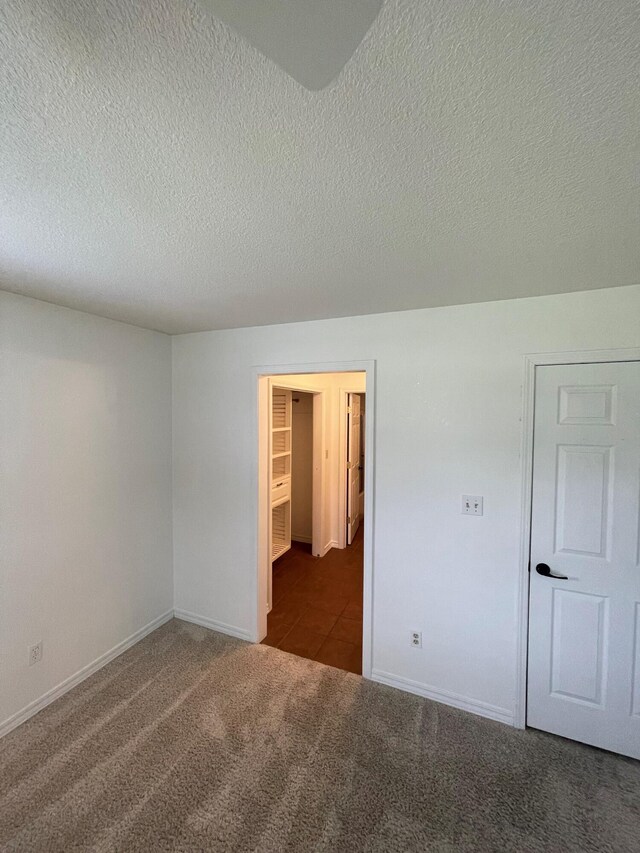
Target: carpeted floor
<point>192,741</point>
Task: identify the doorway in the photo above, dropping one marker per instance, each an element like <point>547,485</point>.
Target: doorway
<point>583,677</point>
<point>319,592</point>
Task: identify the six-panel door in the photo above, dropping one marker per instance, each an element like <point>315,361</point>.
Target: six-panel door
<point>584,626</point>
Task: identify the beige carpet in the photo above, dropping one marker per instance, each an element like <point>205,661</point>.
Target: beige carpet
<point>194,741</point>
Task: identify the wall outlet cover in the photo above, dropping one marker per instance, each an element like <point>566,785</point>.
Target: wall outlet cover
<point>472,505</point>
<point>35,653</point>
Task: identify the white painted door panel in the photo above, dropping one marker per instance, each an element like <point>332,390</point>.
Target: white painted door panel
<point>353,463</point>
<point>584,627</point>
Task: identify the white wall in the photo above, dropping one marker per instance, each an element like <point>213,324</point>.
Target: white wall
<point>301,467</point>
<point>85,503</point>
<point>447,422</point>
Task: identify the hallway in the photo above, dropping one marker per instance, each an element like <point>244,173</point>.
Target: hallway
<point>317,605</point>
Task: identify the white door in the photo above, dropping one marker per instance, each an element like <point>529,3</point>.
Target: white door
<point>353,463</point>
<point>584,620</point>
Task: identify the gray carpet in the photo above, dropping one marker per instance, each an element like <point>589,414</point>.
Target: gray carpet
<point>195,741</point>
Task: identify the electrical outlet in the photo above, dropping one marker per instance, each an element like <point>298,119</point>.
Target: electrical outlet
<point>471,505</point>
<point>416,639</point>
<point>35,653</point>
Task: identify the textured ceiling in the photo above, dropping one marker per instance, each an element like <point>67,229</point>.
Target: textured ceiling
<point>158,169</point>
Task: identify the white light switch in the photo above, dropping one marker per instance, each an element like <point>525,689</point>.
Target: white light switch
<point>471,505</point>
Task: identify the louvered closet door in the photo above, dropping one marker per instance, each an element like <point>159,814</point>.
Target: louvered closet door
<point>280,472</point>
<point>281,408</point>
<point>584,624</point>
<point>281,529</point>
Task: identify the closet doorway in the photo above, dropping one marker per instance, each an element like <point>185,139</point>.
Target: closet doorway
<point>316,585</point>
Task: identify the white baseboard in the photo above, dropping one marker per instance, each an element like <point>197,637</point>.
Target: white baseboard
<point>328,547</point>
<point>50,696</point>
<point>297,538</point>
<point>473,706</point>
<point>221,627</point>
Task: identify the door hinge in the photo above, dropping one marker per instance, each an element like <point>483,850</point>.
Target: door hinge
<point>348,410</point>
<point>348,519</point>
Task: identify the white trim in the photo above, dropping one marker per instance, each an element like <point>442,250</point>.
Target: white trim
<point>319,472</point>
<point>326,548</point>
<point>531,362</point>
<point>473,706</point>
<point>259,507</point>
<point>295,537</point>
<point>212,624</point>
<point>342,456</point>
<point>90,669</point>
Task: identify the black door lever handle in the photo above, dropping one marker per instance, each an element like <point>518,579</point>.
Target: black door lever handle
<point>544,570</point>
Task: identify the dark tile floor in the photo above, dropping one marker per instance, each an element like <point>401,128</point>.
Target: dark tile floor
<point>317,605</point>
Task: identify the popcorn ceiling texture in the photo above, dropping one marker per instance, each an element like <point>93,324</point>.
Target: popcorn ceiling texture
<point>158,169</point>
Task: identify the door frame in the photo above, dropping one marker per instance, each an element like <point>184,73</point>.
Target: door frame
<point>531,362</point>
<point>259,464</point>
<point>342,454</point>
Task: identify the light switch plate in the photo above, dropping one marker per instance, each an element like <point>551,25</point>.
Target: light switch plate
<point>471,505</point>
